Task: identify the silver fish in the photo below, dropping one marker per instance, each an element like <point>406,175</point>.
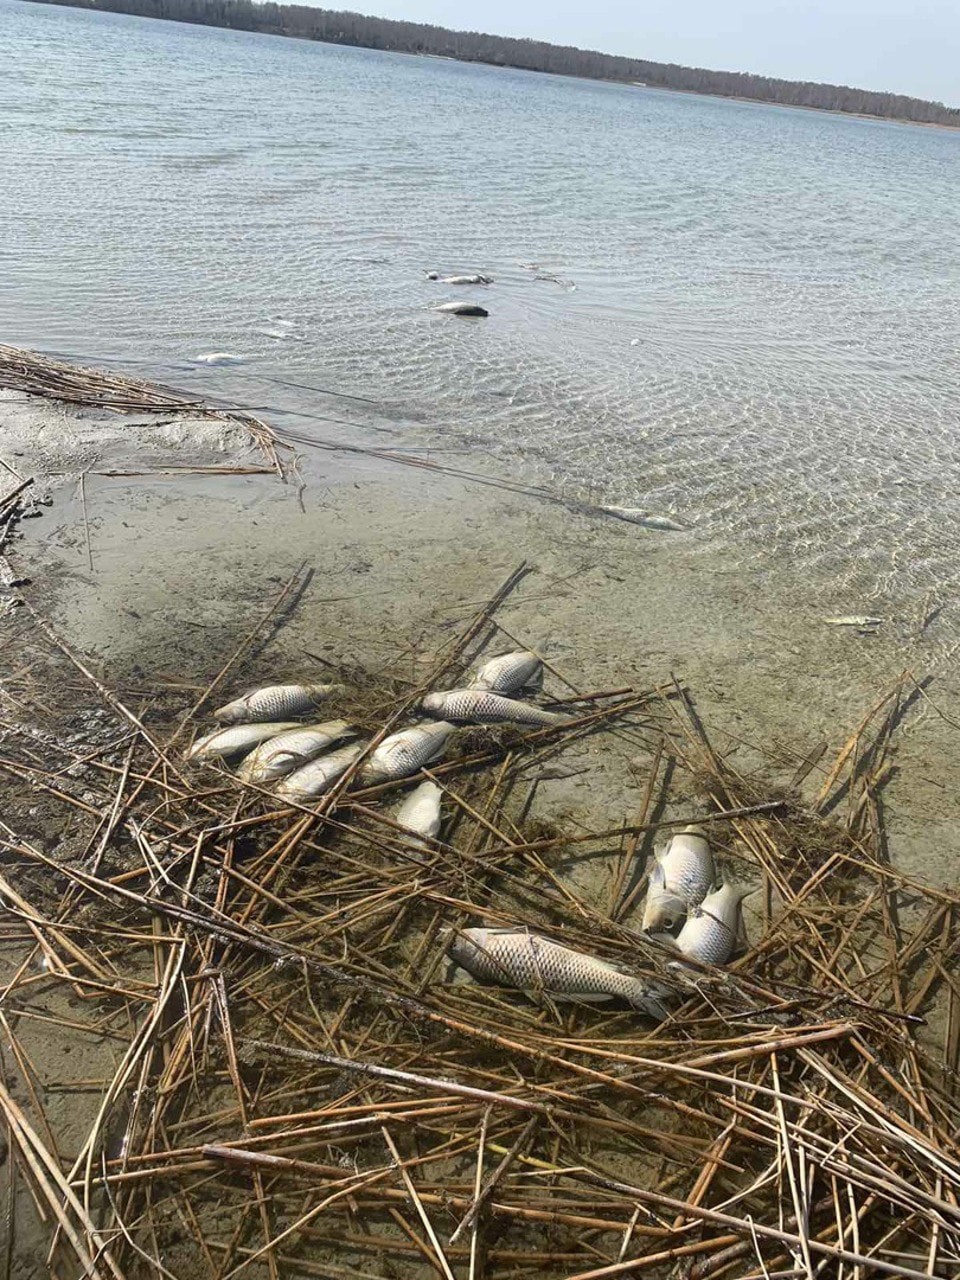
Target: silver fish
<point>483,707</point>
<point>517,958</point>
<point>509,673</point>
<point>854,620</point>
<point>281,755</point>
<point>648,519</point>
<point>274,700</point>
<point>319,775</point>
<point>405,752</point>
<point>223,743</point>
<point>712,930</point>
<point>681,877</point>
<point>420,812</point>
<point>462,309</point>
<point>476,278</point>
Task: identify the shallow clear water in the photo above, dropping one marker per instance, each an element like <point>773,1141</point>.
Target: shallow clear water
<point>753,317</point>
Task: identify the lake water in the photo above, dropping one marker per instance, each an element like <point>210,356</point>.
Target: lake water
<point>745,314</point>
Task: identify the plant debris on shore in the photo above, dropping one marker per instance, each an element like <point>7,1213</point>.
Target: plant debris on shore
<point>298,1088</point>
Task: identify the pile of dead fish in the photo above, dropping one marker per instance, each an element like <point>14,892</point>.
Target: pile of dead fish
<point>265,732</point>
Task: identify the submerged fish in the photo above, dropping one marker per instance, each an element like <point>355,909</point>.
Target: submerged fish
<point>854,620</point>
<point>319,775</point>
<point>420,812</point>
<point>223,743</point>
<point>462,309</point>
<point>712,930</point>
<point>516,958</point>
<point>509,673</point>
<point>281,755</point>
<point>483,707</point>
<point>405,752</point>
<point>636,515</point>
<point>218,357</point>
<point>274,700</point>
<point>475,278</point>
<point>680,878</point>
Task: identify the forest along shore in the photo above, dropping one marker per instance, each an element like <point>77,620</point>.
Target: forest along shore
<point>168,534</point>
<point>361,31</point>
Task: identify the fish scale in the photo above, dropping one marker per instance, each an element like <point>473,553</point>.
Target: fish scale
<point>508,673</point>
<point>405,752</point>
<point>518,958</point>
<point>680,878</point>
<point>273,702</point>
<point>712,930</point>
<point>319,775</point>
<point>288,751</point>
<point>484,707</point>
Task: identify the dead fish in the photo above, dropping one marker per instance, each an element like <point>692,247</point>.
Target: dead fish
<point>319,775</point>
<point>281,755</point>
<point>420,812</point>
<point>681,877</point>
<point>854,620</point>
<point>462,309</point>
<point>636,515</point>
<point>483,707</point>
<point>274,700</point>
<point>712,930</point>
<point>218,357</point>
<point>509,673</point>
<point>517,958</point>
<point>405,752</point>
<point>223,743</point>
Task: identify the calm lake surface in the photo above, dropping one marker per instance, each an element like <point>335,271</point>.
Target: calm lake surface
<point>745,314</point>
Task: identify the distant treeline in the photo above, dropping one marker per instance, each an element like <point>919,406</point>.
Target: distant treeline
<point>532,55</point>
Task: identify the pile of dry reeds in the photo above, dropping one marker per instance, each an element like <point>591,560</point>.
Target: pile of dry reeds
<point>299,1090</point>
<point>40,375</point>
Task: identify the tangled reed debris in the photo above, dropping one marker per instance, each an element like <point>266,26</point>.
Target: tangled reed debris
<point>298,1088</point>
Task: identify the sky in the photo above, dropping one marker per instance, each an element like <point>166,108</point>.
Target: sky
<point>904,46</point>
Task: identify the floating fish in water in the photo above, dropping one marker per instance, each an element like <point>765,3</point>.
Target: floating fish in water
<point>509,673</point>
<point>517,958</point>
<point>854,620</point>
<point>223,743</point>
<point>483,707</point>
<point>462,309</point>
<point>281,755</point>
<point>218,357</point>
<point>712,930</point>
<point>420,812</point>
<point>636,515</point>
<point>274,700</point>
<point>476,278</point>
<point>405,752</point>
<point>319,775</point>
<point>681,877</point>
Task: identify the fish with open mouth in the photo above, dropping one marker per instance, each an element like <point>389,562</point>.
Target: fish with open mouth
<point>224,743</point>
<point>681,877</point>
<point>483,707</point>
<point>273,702</point>
<point>288,751</point>
<point>518,958</point>
<point>318,776</point>
<point>407,751</point>
<point>420,811</point>
<point>509,673</point>
<point>712,930</point>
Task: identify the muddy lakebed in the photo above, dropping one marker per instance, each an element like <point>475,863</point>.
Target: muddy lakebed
<point>152,1083</point>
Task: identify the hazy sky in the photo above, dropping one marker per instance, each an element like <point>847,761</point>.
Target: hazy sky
<point>908,46</point>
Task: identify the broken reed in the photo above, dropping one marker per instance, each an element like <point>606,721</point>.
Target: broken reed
<point>298,1089</point>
